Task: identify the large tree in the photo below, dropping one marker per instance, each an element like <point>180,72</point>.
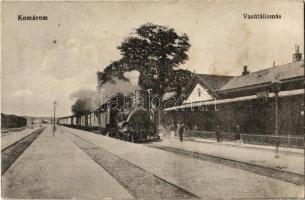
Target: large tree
<point>156,52</point>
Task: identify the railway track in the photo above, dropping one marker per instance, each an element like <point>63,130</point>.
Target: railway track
<point>8,132</point>
<point>10,153</point>
<point>297,179</point>
<point>279,174</point>
<point>139,183</point>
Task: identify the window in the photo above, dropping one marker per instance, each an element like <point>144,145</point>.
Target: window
<point>199,92</point>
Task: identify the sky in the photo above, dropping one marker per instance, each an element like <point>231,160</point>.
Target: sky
<point>57,59</point>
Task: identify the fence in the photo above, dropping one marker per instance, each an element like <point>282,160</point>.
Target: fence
<point>209,134</point>
<point>285,140</point>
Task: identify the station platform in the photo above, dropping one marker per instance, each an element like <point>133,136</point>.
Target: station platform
<point>200,177</point>
<point>53,167</point>
<point>290,159</point>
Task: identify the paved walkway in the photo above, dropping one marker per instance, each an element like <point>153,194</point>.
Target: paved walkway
<point>206,179</point>
<point>284,150</point>
<point>55,168</point>
<point>12,137</point>
<point>254,154</point>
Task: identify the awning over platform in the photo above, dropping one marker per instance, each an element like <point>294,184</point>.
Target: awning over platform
<point>238,99</point>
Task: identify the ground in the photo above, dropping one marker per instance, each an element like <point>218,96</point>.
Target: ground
<point>71,163</point>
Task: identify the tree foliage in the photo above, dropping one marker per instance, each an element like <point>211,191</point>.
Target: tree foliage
<point>115,70</point>
<point>156,52</point>
<point>179,79</point>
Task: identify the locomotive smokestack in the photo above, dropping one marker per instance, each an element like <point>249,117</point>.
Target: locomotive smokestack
<point>141,99</point>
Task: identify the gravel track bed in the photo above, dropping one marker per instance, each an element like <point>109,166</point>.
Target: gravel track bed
<point>10,154</point>
<point>140,183</point>
<point>297,179</point>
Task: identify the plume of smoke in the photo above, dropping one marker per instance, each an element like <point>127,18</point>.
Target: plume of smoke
<point>82,93</point>
<point>120,86</point>
<point>95,98</point>
<point>83,98</point>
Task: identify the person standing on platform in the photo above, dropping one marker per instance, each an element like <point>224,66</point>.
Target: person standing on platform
<point>180,131</point>
<point>237,132</point>
<point>218,134</point>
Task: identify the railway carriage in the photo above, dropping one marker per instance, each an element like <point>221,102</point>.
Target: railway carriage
<point>122,117</point>
<point>83,120</point>
<point>73,121</point>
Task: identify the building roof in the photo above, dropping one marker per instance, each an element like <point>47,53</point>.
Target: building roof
<point>284,72</point>
<point>222,86</point>
<point>213,82</point>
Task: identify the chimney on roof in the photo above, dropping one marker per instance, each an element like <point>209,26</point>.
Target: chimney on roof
<point>297,56</point>
<point>245,72</point>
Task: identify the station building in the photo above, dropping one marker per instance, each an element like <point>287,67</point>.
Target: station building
<point>254,101</point>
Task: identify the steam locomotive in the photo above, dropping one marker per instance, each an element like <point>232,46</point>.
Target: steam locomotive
<point>125,117</point>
